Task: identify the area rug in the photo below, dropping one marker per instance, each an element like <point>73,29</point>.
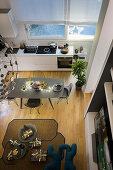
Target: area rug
<point>47,129</point>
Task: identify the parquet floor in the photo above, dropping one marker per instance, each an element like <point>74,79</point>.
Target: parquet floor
<point>87,97</point>
<point>70,117</point>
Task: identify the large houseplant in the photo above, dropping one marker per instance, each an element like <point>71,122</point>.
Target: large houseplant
<point>78,70</point>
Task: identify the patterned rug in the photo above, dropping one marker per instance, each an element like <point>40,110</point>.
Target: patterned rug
<point>47,130</point>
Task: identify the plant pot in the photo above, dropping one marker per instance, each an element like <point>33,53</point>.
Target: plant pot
<point>78,87</point>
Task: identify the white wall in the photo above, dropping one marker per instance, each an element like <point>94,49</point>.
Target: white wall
<point>97,35</point>
<point>103,46</point>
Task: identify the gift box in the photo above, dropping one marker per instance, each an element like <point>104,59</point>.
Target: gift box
<point>38,155</point>
<point>27,134</point>
<point>35,143</point>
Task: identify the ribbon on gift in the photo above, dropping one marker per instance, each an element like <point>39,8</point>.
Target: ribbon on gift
<point>39,154</point>
<point>27,133</point>
<point>36,142</point>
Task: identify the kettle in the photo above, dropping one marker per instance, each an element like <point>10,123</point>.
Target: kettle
<point>53,46</point>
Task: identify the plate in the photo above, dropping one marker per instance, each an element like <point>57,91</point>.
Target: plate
<point>57,87</point>
<point>23,129</point>
<point>36,85</point>
<point>19,149</point>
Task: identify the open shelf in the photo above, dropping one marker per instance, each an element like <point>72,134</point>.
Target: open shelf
<point>112,73</point>
<point>90,129</point>
<point>102,98</point>
<point>109,99</point>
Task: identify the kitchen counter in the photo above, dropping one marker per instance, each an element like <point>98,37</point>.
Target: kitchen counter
<point>43,62</point>
<point>58,52</point>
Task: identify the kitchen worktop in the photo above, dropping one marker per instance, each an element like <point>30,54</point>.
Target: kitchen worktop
<point>43,62</point>
<point>58,52</point>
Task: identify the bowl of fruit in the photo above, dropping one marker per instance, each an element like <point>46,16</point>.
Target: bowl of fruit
<point>43,84</point>
<point>36,86</point>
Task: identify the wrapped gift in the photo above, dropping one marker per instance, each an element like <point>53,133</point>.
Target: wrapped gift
<point>35,143</point>
<point>13,154</point>
<point>38,155</point>
<point>27,133</point>
<point>17,152</point>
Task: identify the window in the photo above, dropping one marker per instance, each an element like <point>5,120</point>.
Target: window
<point>70,32</point>
<point>46,31</point>
<point>81,32</point>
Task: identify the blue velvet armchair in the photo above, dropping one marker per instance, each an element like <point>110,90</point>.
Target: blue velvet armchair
<point>58,156</point>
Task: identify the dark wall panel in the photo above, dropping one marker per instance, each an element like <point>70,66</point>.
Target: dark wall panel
<point>99,95</point>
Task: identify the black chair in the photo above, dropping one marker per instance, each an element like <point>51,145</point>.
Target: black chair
<point>33,104</point>
<point>9,99</point>
<point>66,92</point>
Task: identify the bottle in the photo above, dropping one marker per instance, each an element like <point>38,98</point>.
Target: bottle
<point>76,51</point>
<point>81,49</point>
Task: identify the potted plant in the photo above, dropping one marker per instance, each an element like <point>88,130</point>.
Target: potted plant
<point>78,70</point>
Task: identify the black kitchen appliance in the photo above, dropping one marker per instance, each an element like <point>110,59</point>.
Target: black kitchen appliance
<point>30,49</point>
<point>45,50</point>
<point>64,62</point>
<point>53,46</point>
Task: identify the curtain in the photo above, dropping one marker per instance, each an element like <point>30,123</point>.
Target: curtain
<point>43,11</point>
<point>57,11</point>
<point>84,11</point>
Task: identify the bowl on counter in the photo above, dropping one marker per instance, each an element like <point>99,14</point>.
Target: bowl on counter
<point>60,46</point>
<point>44,85</point>
<point>64,50</point>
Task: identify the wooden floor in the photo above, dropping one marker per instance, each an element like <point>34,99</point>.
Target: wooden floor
<point>87,97</point>
<point>70,117</point>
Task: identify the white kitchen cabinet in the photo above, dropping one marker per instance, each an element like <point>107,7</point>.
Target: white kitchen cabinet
<point>37,62</point>
<point>8,27</point>
<point>37,59</point>
<point>37,67</point>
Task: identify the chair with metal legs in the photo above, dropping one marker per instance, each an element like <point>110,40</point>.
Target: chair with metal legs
<point>66,92</point>
<point>33,104</point>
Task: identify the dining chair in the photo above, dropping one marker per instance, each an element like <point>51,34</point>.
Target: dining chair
<point>33,104</point>
<point>66,92</point>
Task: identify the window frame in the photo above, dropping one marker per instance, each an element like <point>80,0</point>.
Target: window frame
<point>44,38</point>
<point>55,38</point>
<point>80,39</point>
